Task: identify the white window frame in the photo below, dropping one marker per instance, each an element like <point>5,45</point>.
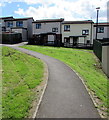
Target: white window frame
<point>100,30</point>
<point>85,32</point>
<point>19,23</point>
<point>55,29</point>
<point>38,26</point>
<point>10,24</point>
<point>66,27</point>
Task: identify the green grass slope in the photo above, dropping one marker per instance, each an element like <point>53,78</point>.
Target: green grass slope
<point>85,63</point>
<point>21,75</point>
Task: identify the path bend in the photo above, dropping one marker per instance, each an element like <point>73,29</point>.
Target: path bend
<point>65,95</point>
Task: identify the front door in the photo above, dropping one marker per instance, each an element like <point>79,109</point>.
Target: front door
<point>75,41</point>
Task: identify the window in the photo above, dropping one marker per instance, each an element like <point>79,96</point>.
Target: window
<point>85,32</point>
<point>100,29</point>
<point>3,29</point>
<point>66,27</point>
<point>38,26</point>
<point>19,24</point>
<point>10,24</point>
<point>54,29</point>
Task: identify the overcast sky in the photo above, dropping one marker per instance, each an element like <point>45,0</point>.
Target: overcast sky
<point>48,9</point>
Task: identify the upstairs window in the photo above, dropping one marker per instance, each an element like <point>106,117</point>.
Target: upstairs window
<point>10,24</point>
<point>3,29</point>
<point>19,24</point>
<point>54,29</point>
<point>66,27</point>
<point>85,32</point>
<point>38,26</point>
<point>100,29</point>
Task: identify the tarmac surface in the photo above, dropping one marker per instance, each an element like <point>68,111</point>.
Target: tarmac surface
<point>65,95</point>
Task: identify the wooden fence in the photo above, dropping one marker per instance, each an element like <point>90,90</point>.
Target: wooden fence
<point>11,38</point>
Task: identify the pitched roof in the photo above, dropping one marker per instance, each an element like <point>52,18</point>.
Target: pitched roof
<point>78,22</point>
<point>48,20</point>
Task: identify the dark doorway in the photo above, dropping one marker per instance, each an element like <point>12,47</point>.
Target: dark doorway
<point>75,41</point>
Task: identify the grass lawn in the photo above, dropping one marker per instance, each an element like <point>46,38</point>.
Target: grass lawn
<point>85,63</point>
<point>21,75</point>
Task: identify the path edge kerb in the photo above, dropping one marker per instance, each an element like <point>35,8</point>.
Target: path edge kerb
<point>91,96</point>
<point>45,78</point>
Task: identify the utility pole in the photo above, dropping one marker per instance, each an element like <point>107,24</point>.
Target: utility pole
<point>97,22</point>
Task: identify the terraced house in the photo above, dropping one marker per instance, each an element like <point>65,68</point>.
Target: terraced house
<point>47,32</point>
<point>102,32</point>
<point>20,25</point>
<point>77,33</point>
<point>55,32</point>
<point>2,22</point>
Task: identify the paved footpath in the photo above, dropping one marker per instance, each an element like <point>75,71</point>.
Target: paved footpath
<point>65,95</point>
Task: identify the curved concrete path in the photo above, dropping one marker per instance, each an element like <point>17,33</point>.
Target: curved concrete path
<point>65,95</point>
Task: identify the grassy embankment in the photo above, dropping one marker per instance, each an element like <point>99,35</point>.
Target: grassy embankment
<point>21,76</point>
<point>85,63</point>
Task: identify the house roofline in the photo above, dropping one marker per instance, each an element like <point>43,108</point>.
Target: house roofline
<point>17,19</point>
<point>102,24</point>
<point>11,17</point>
<point>78,22</point>
<point>48,20</point>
